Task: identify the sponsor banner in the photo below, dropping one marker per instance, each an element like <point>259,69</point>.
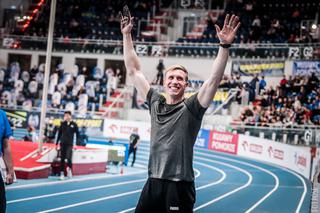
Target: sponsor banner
<point>306,68</point>
<point>316,163</point>
<point>261,67</point>
<point>17,117</point>
<point>87,122</point>
<point>122,129</point>
<point>223,142</point>
<point>21,118</point>
<point>202,138</point>
<point>292,157</point>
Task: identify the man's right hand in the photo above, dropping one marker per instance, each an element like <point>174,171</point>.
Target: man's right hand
<point>9,177</point>
<point>126,21</point>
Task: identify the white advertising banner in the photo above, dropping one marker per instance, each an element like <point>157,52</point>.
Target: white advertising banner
<point>316,164</point>
<point>292,157</point>
<point>122,129</point>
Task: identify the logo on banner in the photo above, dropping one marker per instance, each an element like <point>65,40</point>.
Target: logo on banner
<point>254,148</point>
<point>245,145</point>
<point>275,153</point>
<point>113,128</point>
<point>300,160</point>
<point>223,142</point>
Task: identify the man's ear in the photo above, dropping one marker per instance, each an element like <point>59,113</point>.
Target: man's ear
<point>187,83</point>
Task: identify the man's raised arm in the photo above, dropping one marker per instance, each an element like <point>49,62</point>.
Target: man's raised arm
<point>226,36</point>
<point>131,59</point>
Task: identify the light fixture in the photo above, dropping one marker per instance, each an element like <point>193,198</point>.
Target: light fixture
<point>314,26</point>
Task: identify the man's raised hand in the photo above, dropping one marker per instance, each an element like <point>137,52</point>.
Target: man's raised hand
<point>228,32</point>
<point>126,20</point>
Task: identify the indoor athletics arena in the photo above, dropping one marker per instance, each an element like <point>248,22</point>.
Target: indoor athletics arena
<point>84,105</point>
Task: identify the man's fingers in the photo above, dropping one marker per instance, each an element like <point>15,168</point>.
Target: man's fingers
<point>231,21</point>
<point>235,22</point>
<point>126,11</point>
<point>217,28</point>
<point>237,27</point>
<point>226,20</point>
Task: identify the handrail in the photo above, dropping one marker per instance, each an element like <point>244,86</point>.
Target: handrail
<point>289,127</point>
<point>167,43</point>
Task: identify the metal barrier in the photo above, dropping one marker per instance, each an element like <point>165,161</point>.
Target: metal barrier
<point>295,134</point>
<point>163,49</point>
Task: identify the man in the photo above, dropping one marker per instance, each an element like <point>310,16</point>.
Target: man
<point>133,146</point>
<point>175,122</point>
<point>66,133</point>
<point>5,152</point>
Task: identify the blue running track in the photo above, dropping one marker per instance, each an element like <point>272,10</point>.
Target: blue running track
<point>224,183</point>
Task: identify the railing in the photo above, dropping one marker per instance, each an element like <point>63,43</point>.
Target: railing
<point>293,134</point>
<point>163,49</point>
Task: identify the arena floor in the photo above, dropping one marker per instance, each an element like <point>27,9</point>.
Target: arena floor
<point>224,183</point>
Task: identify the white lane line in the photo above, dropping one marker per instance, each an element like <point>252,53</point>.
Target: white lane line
<point>91,201</point>
<point>75,191</point>
<point>213,183</point>
<point>262,169</point>
<point>128,210</point>
<point>198,173</point>
<point>71,180</point>
<point>304,190</point>
<point>230,192</point>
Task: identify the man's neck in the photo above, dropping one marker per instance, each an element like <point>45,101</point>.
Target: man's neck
<point>171,100</point>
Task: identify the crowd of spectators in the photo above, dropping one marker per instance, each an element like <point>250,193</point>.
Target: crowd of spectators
<point>89,19</point>
<point>77,89</point>
<point>265,21</point>
<point>295,101</point>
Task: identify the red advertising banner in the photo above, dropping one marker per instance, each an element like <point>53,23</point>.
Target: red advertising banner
<point>223,142</point>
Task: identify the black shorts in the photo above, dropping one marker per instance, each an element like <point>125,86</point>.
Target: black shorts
<point>159,195</point>
<point>2,196</point>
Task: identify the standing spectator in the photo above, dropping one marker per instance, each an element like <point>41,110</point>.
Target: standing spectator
<point>5,152</point>
<point>133,145</point>
<point>160,69</point>
<point>65,137</point>
<point>262,84</point>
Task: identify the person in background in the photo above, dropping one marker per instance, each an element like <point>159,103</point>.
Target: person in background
<point>5,153</point>
<point>50,131</point>
<point>83,137</point>
<point>160,69</point>
<point>133,145</point>
<point>32,134</point>
<point>65,137</point>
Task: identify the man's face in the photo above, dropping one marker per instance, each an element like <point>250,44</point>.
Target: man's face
<point>67,117</point>
<point>175,83</point>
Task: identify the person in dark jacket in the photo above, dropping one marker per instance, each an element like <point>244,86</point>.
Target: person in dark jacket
<point>133,145</point>
<point>65,137</point>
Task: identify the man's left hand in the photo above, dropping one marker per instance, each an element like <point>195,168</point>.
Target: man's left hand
<point>227,34</point>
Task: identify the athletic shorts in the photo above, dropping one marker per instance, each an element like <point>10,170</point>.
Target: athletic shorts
<point>159,195</point>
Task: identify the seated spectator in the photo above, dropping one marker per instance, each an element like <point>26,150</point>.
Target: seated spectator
<point>31,135</point>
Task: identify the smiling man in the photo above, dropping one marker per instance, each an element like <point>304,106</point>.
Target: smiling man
<point>175,122</point>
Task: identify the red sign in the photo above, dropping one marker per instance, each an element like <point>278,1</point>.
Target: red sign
<point>223,142</point>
